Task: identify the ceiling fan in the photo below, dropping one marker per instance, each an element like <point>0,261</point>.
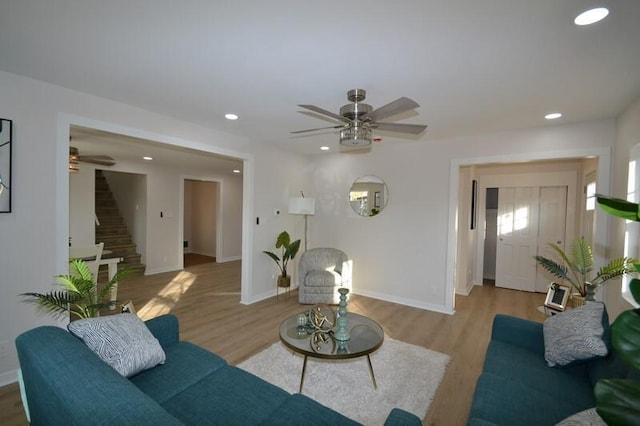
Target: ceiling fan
<point>359,119</point>
<point>75,157</point>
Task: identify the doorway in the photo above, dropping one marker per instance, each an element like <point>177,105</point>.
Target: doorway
<point>200,221</point>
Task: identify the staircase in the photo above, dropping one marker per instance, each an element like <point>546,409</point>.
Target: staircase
<point>113,232</point>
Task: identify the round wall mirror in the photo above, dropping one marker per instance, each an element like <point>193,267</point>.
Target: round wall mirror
<point>368,195</point>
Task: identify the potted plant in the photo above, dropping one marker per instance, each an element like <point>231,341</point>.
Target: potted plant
<point>618,400</point>
<point>578,264</point>
<point>79,297</point>
<point>289,249</point>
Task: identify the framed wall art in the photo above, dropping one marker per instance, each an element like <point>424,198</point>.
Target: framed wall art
<point>474,203</point>
<point>5,165</point>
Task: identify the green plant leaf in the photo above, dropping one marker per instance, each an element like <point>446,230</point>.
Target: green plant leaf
<point>582,256</point>
<point>634,287</point>
<point>618,401</point>
<point>283,240</point>
<point>619,207</point>
<point>615,268</point>
<point>79,297</point>
<point>625,337</point>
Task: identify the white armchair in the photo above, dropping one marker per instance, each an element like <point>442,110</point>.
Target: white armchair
<point>321,272</point>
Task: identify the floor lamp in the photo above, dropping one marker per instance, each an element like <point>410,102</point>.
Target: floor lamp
<point>305,207</point>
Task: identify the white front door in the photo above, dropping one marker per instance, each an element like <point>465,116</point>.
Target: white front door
<point>517,238</point>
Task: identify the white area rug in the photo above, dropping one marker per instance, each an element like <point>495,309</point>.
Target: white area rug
<point>407,377</point>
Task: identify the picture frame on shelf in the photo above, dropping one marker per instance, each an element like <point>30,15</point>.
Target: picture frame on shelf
<point>557,297</point>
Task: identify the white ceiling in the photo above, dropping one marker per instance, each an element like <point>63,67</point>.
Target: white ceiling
<point>473,66</point>
<point>132,150</point>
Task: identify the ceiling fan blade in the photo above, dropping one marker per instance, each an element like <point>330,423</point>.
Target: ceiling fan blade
<point>325,112</point>
<point>414,129</point>
<point>396,107</point>
<point>103,160</point>
<point>319,128</point>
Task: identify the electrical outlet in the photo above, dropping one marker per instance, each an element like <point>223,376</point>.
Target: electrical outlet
<point>4,349</point>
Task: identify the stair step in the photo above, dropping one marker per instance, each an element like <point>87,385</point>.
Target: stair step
<point>113,231</point>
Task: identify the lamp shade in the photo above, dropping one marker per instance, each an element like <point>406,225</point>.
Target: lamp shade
<point>301,205</point>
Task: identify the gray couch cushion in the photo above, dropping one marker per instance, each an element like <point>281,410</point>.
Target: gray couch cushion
<point>123,341</point>
<point>322,279</point>
<point>575,335</point>
<point>588,417</point>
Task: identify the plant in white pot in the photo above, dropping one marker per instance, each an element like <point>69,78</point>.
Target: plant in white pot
<point>288,250</point>
<point>576,266</point>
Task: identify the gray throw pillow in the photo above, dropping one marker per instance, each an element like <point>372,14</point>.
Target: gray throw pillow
<point>575,335</point>
<point>123,341</point>
<point>588,417</point>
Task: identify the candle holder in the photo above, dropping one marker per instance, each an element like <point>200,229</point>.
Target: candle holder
<point>342,334</point>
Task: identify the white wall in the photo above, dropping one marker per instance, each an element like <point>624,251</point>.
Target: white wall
<point>405,254</point>
<point>34,243</point>
<point>627,136</point>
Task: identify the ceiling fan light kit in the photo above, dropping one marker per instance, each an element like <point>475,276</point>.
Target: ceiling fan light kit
<point>355,136</point>
<point>359,119</point>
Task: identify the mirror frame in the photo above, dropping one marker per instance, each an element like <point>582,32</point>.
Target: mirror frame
<point>380,198</point>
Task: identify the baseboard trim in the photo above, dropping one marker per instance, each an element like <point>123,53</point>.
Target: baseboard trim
<point>404,301</point>
<point>228,259</point>
<point>8,377</point>
<point>161,270</point>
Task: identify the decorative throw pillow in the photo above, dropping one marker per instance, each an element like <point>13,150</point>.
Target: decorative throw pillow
<point>588,417</point>
<point>123,341</point>
<point>575,335</point>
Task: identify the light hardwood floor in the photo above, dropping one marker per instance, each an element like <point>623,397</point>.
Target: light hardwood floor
<point>206,300</point>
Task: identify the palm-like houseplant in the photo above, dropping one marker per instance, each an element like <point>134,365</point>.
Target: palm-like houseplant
<point>288,250</point>
<point>578,264</point>
<point>618,400</point>
<point>79,297</point>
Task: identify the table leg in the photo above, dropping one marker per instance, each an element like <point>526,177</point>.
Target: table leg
<point>373,376</point>
<point>304,368</point>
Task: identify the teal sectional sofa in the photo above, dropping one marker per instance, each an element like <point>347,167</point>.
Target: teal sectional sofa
<point>67,384</point>
<point>517,387</point>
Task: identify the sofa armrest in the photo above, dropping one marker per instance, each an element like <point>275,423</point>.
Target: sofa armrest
<point>65,383</point>
<point>165,329</point>
<point>398,417</point>
<point>519,332</point>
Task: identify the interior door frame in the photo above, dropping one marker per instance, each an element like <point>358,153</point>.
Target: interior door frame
<point>219,210</point>
<point>568,179</point>
<point>65,121</point>
<point>604,183</point>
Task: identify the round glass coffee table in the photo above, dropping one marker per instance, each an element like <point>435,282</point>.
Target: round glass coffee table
<point>366,337</point>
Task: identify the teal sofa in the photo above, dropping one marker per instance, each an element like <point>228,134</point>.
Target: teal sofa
<point>67,384</point>
<point>517,387</point>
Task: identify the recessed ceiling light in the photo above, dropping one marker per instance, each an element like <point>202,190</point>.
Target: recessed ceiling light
<point>324,148</point>
<point>553,116</point>
<point>236,171</point>
<point>231,116</point>
<point>147,158</point>
<point>591,16</point>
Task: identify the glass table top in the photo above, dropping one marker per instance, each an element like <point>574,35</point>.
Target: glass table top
<point>366,337</point>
